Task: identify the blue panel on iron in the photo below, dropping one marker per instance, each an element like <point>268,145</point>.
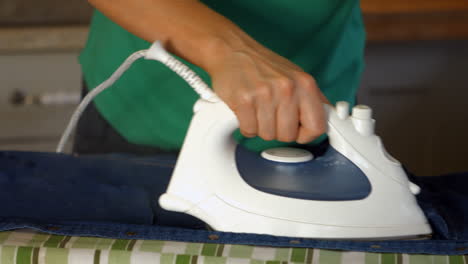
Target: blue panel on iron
<point>329,177</point>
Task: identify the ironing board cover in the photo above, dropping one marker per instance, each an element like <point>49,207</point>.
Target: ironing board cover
<point>116,197</point>
<point>31,247</point>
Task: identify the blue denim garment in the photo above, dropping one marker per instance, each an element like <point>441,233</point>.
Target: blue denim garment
<point>116,196</point>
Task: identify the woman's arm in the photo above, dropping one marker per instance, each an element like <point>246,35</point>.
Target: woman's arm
<point>272,97</point>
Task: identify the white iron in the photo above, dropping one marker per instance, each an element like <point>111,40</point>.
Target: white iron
<point>207,184</point>
<point>355,190</point>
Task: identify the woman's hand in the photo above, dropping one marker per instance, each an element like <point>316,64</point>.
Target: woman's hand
<point>272,97</point>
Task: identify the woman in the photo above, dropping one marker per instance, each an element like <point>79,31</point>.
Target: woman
<point>273,62</point>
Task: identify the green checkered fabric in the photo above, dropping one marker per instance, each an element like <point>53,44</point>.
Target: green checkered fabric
<point>24,247</point>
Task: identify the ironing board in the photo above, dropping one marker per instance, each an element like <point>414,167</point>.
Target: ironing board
<point>27,246</point>
<point>105,208</point>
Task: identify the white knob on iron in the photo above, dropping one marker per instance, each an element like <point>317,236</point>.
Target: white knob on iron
<point>362,120</point>
<point>342,110</point>
<point>362,112</point>
<point>287,155</point>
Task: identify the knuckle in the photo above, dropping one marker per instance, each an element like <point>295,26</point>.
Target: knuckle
<point>305,80</point>
<point>263,92</point>
<point>285,86</point>
<point>245,99</point>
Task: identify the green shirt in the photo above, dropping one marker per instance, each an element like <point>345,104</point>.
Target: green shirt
<point>150,105</point>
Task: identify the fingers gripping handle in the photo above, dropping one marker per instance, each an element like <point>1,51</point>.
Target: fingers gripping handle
<point>158,53</point>
<point>223,113</point>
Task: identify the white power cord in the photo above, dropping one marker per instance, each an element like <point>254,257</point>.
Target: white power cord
<point>155,52</point>
<point>158,53</point>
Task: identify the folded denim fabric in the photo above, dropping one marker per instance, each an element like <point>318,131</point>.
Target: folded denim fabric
<point>116,196</point>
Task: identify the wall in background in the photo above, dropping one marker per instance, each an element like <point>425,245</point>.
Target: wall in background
<point>419,94</point>
<point>44,12</point>
<point>32,126</point>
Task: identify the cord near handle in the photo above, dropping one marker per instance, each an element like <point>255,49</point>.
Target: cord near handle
<point>156,52</point>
